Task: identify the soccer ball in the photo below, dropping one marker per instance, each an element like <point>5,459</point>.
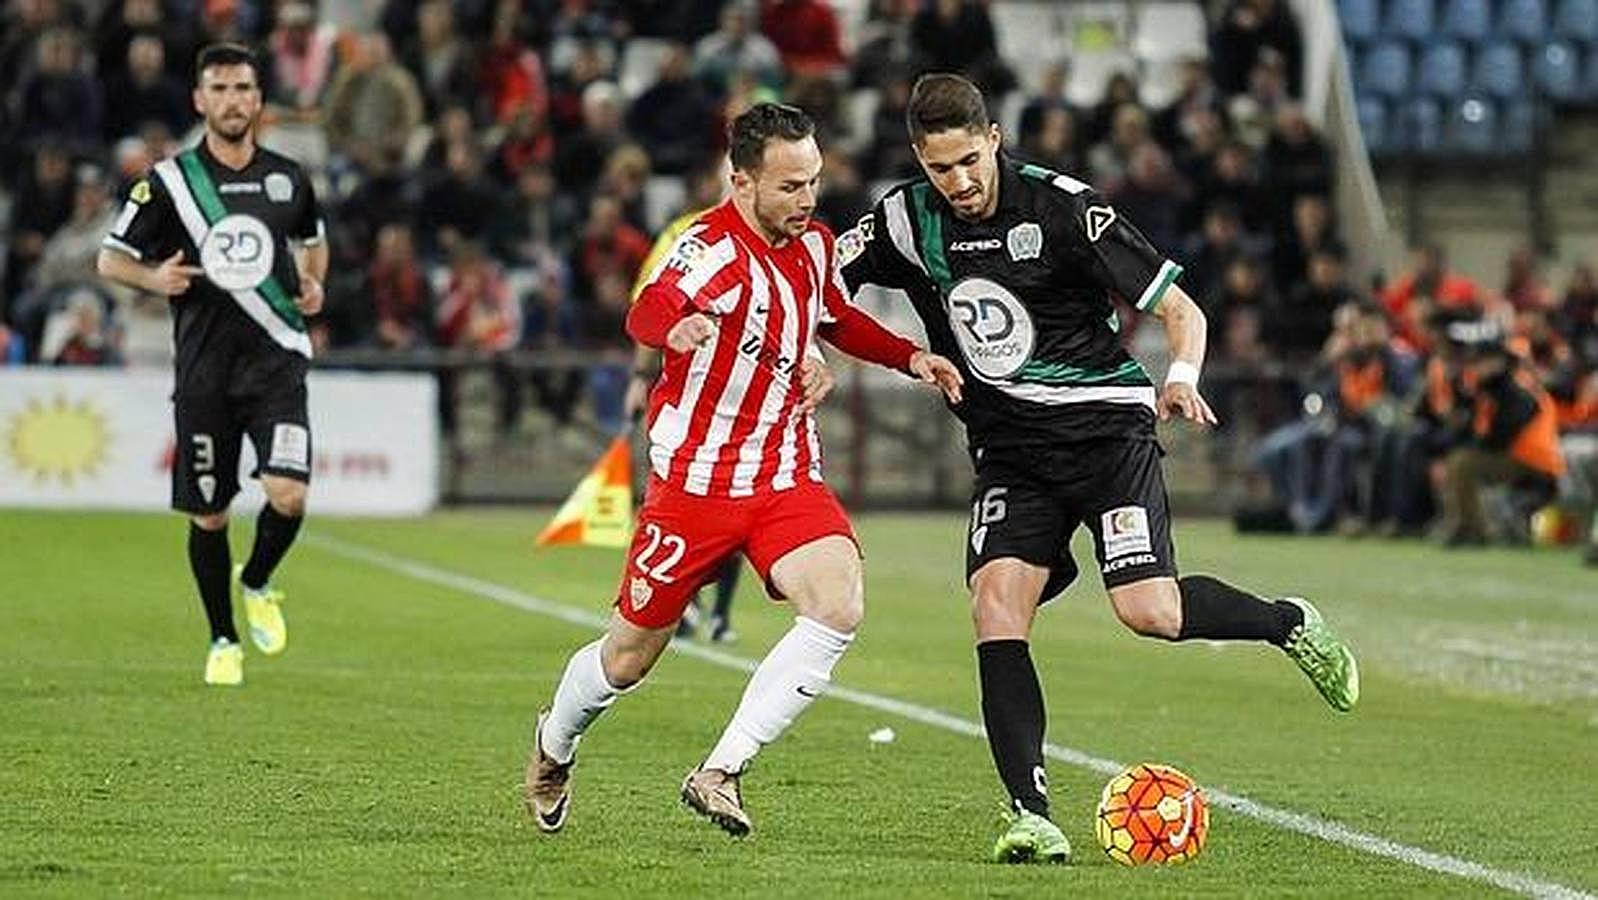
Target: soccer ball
<point>1152,814</point>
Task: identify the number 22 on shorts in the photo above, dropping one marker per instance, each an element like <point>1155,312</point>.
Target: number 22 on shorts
<point>671,547</point>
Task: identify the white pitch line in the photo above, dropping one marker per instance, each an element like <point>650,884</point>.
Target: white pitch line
<point>1321,829</point>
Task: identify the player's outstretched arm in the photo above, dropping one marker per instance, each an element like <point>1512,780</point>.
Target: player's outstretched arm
<point>1185,329</point>
<point>859,335</point>
<point>168,278</point>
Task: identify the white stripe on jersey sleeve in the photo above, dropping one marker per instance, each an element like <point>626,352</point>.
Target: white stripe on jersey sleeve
<point>114,244</point>
<point>898,216</point>
<point>718,256</point>
<point>1070,185</point>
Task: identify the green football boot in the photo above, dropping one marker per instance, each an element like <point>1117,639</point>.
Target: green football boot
<point>1324,657</point>
<point>1032,838</point>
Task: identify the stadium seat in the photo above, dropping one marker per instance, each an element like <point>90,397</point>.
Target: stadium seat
<point>1523,20</point>
<point>1467,20</point>
<point>1384,69</point>
<point>1361,20</point>
<point>1499,70</point>
<point>1373,126</point>
<point>1441,71</point>
<point>1576,20</point>
<point>1473,127</point>
<point>1424,116</point>
<point>1555,71</point>
<point>1413,20</point>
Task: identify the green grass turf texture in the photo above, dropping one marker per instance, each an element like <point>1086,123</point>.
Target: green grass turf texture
<point>382,754</point>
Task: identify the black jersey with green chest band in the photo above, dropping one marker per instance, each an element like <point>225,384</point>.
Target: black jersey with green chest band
<point>1021,302</point>
<point>237,225</point>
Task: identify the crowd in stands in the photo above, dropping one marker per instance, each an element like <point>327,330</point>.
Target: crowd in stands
<point>494,171</point>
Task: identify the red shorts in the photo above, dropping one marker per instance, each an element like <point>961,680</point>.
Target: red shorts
<point>682,539</point>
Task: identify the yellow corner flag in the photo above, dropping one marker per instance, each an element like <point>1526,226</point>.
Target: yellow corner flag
<point>600,511</point>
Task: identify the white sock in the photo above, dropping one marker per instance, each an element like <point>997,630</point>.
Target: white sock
<point>795,672</point>
<point>583,694</point>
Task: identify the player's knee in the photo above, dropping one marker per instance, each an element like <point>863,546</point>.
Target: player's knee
<point>626,666</point>
<point>288,498</point>
<point>1151,616</point>
<point>210,521</point>
<point>996,614</point>
<point>837,603</point>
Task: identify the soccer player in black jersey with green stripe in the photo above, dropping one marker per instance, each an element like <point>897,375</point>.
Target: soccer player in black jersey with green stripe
<point>1010,269</point>
<point>211,230</point>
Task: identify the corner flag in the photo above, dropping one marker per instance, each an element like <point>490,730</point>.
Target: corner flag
<point>600,511</point>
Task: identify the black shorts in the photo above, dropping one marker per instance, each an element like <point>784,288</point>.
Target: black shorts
<point>210,433</point>
<point>1027,502</point>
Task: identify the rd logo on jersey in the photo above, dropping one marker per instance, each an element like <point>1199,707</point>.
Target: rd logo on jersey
<point>992,327</point>
<point>237,253</point>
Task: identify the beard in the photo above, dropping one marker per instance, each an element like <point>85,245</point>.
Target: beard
<point>232,130</point>
<point>776,226</point>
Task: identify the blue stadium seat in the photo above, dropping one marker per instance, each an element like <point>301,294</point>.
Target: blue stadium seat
<point>1576,20</point>
<point>1499,70</point>
<point>1361,20</point>
<point>1473,127</point>
<point>1384,69</point>
<point>1520,124</point>
<point>1441,71</point>
<point>1412,20</point>
<point>1424,117</point>
<point>1467,20</point>
<point>1555,69</point>
<point>1523,20</point>
<point>1372,113</point>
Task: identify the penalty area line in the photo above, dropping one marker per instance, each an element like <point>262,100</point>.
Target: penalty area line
<point>1287,820</point>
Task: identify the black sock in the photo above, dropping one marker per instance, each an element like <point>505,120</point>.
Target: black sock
<point>210,560</point>
<point>1012,710</point>
<point>726,587</point>
<point>274,532</point>
<point>1215,610</point>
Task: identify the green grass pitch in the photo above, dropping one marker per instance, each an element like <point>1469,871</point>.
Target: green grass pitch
<point>382,754</point>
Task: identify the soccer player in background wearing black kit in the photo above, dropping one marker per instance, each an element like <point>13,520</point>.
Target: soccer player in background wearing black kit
<point>1010,269</point>
<point>210,229</point>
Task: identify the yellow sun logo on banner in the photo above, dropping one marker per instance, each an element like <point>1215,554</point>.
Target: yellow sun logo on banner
<point>58,439</point>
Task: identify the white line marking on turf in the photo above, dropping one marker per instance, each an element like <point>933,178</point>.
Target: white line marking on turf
<point>1331,832</point>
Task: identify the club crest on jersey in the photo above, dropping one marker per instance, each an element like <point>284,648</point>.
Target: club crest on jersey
<point>1025,241</point>
<point>1098,219</point>
<point>279,189</point>
<point>639,593</point>
<point>141,192</point>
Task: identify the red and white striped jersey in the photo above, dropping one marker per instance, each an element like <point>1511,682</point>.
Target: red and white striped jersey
<point>724,420</point>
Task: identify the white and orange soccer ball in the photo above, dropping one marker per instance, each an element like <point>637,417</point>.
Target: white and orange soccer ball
<point>1152,815</point>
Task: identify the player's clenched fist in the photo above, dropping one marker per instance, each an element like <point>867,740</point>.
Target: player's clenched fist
<point>310,298</point>
<point>935,369</point>
<point>691,333</point>
<point>172,277</point>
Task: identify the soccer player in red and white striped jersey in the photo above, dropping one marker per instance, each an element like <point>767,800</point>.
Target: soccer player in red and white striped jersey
<point>737,306</point>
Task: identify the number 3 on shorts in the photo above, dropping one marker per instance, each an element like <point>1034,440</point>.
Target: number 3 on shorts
<point>673,547</point>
